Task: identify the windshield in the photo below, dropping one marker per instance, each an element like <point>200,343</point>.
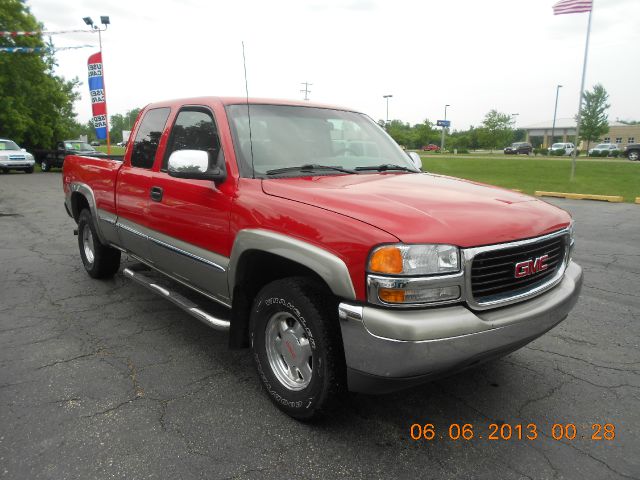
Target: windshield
<point>603,145</point>
<point>557,145</point>
<point>285,136</point>
<point>80,146</point>
<point>8,145</point>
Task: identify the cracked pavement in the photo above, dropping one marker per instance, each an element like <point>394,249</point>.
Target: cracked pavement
<point>102,379</point>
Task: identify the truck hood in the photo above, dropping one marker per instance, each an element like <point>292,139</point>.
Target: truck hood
<point>426,208</point>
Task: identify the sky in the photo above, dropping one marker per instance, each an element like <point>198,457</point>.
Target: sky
<point>474,55</point>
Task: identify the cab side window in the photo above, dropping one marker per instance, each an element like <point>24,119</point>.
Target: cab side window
<point>194,129</point>
<point>148,136</point>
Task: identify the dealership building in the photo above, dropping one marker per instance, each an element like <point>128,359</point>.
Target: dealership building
<point>539,134</point>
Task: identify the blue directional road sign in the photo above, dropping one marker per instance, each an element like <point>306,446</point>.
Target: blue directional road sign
<point>443,123</point>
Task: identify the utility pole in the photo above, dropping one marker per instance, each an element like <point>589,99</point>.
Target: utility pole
<point>306,89</point>
<point>555,110</point>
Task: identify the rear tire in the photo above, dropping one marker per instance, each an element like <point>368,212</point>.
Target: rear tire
<point>633,155</point>
<point>100,261</point>
<point>44,166</point>
<point>297,347</point>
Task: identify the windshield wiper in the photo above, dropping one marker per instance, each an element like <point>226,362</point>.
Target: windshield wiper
<point>310,167</point>
<point>386,166</point>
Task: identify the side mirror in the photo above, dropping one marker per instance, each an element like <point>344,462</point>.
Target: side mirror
<point>415,159</point>
<point>23,149</point>
<point>195,164</point>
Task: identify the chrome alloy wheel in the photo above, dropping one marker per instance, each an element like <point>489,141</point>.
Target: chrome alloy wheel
<point>87,244</point>
<point>288,351</point>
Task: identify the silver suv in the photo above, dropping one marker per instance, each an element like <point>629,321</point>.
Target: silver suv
<point>12,157</point>
<point>567,147</point>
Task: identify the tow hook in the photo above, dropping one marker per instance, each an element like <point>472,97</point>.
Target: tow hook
<point>75,232</point>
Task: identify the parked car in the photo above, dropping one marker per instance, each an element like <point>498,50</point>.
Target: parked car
<point>518,147</point>
<point>55,158</point>
<point>431,148</point>
<point>342,266</point>
<point>12,157</point>
<point>567,147</point>
<point>601,148</point>
<point>95,143</point>
<point>632,151</point>
<point>122,144</point>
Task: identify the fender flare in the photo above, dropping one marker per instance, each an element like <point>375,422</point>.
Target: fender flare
<point>326,265</point>
<point>85,190</point>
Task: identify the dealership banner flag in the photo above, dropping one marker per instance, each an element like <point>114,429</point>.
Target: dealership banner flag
<point>98,99</point>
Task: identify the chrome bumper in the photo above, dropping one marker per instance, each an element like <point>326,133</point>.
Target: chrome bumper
<point>387,349</point>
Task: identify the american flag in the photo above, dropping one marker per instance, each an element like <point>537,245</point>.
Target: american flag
<point>572,6</point>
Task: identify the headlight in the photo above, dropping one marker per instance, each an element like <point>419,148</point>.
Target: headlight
<point>414,260</point>
<point>28,156</point>
<point>401,275</point>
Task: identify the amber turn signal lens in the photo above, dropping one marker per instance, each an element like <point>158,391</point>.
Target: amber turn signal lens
<point>391,295</point>
<point>386,260</point>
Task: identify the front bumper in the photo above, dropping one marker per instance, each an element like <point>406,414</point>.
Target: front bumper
<point>386,350</point>
<point>17,164</point>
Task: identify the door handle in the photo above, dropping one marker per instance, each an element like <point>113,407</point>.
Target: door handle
<point>156,194</point>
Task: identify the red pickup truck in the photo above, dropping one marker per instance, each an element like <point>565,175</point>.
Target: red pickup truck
<point>330,254</point>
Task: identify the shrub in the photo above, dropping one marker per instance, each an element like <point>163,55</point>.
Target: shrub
<point>559,152</point>
<point>615,153</point>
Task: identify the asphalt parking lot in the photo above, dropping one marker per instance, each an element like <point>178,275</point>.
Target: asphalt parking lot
<point>102,379</point>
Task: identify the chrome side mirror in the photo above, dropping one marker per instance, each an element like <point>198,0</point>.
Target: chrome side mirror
<point>415,159</point>
<point>194,164</point>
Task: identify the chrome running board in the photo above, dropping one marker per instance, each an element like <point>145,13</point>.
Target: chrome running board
<point>179,300</point>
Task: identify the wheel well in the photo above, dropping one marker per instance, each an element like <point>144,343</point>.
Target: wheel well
<point>78,203</point>
<point>255,270</point>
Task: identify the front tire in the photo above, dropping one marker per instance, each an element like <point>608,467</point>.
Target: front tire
<point>297,347</point>
<point>28,170</point>
<point>100,261</point>
<point>633,155</point>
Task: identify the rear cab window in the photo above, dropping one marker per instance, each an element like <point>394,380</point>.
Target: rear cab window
<point>145,144</point>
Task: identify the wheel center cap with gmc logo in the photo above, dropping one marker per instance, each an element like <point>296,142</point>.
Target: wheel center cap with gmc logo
<point>529,267</point>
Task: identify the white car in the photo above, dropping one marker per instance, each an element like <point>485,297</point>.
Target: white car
<point>599,149</point>
<point>12,157</point>
<point>568,148</point>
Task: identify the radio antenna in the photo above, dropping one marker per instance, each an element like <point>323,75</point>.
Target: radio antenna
<point>246,88</point>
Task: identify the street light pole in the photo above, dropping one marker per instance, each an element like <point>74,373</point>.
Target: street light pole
<point>555,109</point>
<point>387,97</point>
<point>443,128</point>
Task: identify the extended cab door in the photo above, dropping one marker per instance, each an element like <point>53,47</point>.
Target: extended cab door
<point>133,185</point>
<point>192,216</point>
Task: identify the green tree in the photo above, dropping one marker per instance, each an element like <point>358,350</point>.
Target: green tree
<point>497,131</point>
<point>594,121</point>
<point>120,122</point>
<point>37,105</point>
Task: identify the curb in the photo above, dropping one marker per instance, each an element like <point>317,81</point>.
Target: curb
<point>582,196</point>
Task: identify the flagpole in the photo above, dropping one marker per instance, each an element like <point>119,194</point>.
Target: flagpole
<point>584,71</point>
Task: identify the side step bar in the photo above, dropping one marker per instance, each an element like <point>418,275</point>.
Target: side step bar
<point>178,300</point>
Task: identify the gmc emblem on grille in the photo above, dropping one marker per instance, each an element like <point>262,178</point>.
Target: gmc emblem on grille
<point>529,267</point>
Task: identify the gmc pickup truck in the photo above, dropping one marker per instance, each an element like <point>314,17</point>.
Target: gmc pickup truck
<point>331,255</point>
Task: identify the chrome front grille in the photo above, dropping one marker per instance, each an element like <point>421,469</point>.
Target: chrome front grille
<point>491,270</point>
